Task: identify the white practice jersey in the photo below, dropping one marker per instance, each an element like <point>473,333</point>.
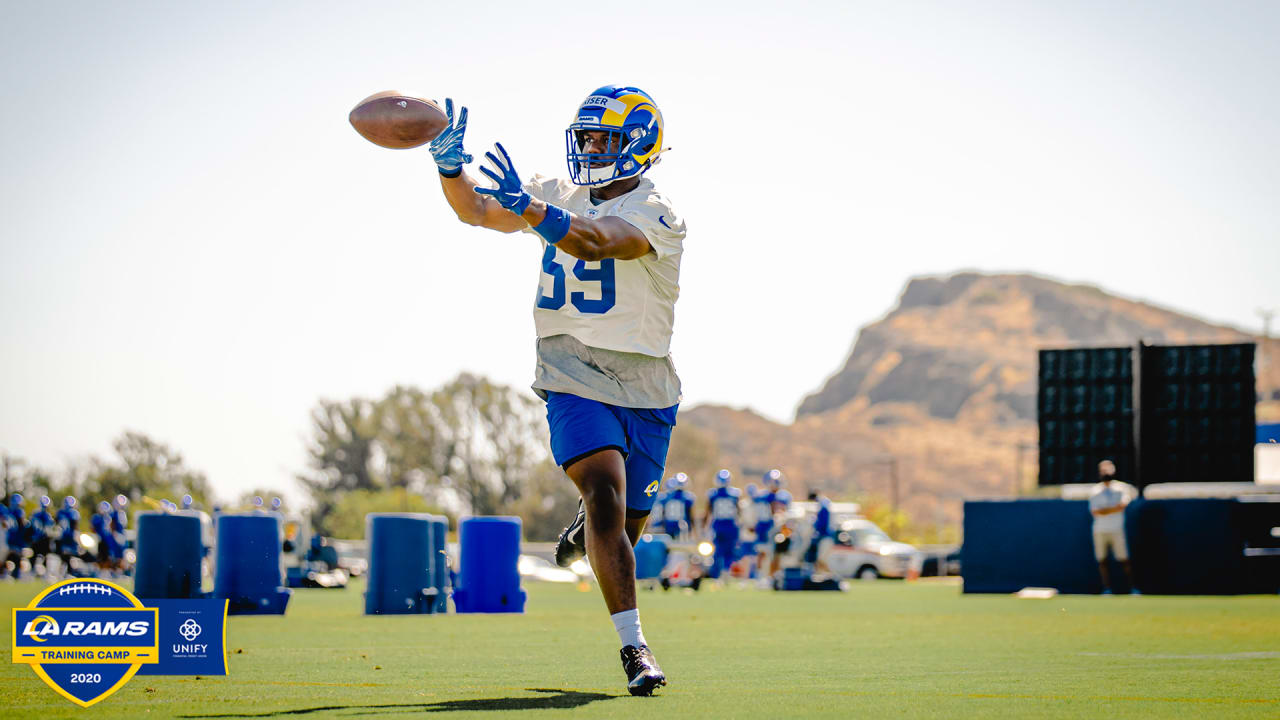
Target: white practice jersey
<point>761,510</point>
<point>623,305</point>
<point>1103,497</point>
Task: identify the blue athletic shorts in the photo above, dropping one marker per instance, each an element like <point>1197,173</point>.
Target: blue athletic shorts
<point>725,543</point>
<point>580,427</point>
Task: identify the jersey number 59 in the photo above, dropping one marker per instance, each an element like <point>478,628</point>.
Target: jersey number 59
<point>602,275</point>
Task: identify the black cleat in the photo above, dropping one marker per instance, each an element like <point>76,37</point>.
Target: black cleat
<point>643,674</point>
<point>572,543</point>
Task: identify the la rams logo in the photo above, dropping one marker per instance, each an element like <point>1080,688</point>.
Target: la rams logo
<point>653,488</point>
<point>85,638</point>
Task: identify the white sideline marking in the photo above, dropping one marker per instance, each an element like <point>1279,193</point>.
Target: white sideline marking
<point>1259,655</point>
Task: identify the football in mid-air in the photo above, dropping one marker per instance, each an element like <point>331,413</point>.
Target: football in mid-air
<point>394,120</point>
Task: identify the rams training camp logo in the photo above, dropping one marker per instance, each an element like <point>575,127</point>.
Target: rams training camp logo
<point>85,638</point>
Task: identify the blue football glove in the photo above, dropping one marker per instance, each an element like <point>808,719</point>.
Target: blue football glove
<point>447,147</point>
<point>509,192</point>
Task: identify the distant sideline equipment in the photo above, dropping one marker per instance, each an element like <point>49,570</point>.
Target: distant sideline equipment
<point>1161,413</point>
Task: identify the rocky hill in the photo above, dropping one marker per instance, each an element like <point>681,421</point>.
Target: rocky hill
<point>945,385</point>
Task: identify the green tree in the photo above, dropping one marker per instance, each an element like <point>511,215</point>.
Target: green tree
<point>470,442</point>
<point>245,500</point>
<point>341,450</point>
<point>348,518</point>
<point>493,436</point>
<point>411,435</point>
<point>145,468</point>
<point>548,503</point>
<point>12,474</point>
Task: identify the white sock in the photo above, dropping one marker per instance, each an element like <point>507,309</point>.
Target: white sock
<point>627,623</point>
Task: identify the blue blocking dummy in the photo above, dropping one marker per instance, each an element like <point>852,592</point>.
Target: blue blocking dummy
<point>249,572</point>
<point>439,530</point>
<point>169,553</point>
<point>406,560</point>
<point>651,556</point>
<point>489,581</point>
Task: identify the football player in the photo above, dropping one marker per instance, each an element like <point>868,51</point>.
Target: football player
<point>119,529</point>
<point>604,309</point>
<point>16,535</point>
<point>821,539</point>
<point>722,520</point>
<point>784,528</point>
<point>107,550</point>
<point>43,529</point>
<point>677,508</point>
<point>762,509</point>
<point>68,537</point>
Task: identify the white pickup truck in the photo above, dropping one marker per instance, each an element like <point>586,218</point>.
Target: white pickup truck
<point>862,550</point>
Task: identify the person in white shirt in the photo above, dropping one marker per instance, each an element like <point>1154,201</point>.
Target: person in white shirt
<point>1107,502</point>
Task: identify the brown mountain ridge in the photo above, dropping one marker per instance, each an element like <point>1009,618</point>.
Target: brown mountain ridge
<point>945,385</point>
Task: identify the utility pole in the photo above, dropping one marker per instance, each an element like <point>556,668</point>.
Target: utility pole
<point>893,482</point>
<point>892,461</point>
<point>1266,314</point>
<point>894,487</point>
<point>1017,466</point>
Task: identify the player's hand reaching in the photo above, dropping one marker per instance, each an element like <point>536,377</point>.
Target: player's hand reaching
<point>447,147</point>
<point>509,192</point>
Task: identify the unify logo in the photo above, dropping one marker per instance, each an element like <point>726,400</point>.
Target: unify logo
<point>190,630</point>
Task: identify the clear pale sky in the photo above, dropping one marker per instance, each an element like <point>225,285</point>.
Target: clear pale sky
<point>195,244</point>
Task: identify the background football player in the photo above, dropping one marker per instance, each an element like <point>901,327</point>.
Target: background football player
<point>16,535</point>
<point>43,532</point>
<point>68,533</point>
<point>677,508</point>
<point>762,505</point>
<point>722,521</point>
<point>605,306</point>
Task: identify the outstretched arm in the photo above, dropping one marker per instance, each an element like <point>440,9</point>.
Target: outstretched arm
<point>459,189</point>
<point>584,238</point>
<point>473,208</point>
<point>595,239</point>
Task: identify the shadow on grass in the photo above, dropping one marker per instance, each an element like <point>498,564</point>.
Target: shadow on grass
<point>548,700</point>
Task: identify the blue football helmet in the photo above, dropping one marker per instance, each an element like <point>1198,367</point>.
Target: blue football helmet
<point>773,479</point>
<point>722,478</point>
<point>634,140</point>
<point>45,501</point>
<point>752,490</point>
<point>104,507</point>
<point>69,501</point>
<point>121,501</point>
<point>16,500</point>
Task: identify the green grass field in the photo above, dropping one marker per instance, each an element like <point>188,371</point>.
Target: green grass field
<point>884,649</point>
